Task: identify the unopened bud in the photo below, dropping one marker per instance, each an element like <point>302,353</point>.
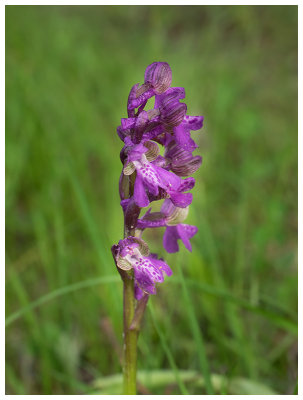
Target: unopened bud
<point>159,75</point>
<point>172,111</point>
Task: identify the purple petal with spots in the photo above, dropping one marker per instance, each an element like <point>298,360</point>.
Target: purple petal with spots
<point>193,123</point>
<point>150,177</point>
<point>144,281</point>
<point>150,269</point>
<point>187,184</point>
<point>126,248</point>
<point>162,266</point>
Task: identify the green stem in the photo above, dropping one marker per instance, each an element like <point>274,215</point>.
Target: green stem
<point>130,338</point>
<point>131,332</point>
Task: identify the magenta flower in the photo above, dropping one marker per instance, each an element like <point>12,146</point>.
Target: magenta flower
<point>133,253</point>
<point>170,217</point>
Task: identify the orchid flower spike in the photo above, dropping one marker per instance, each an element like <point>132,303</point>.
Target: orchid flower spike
<point>148,176</point>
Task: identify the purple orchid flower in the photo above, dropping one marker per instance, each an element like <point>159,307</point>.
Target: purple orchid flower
<point>151,177</point>
<point>170,217</point>
<point>133,253</point>
<point>182,132</point>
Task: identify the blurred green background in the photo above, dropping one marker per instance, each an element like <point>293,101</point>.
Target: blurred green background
<point>226,322</point>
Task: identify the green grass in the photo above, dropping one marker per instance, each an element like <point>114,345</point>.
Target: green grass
<point>227,319</point>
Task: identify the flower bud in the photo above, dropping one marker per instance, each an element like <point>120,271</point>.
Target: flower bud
<point>173,215</point>
<point>181,161</point>
<point>172,111</point>
<point>159,75</point>
<point>131,213</point>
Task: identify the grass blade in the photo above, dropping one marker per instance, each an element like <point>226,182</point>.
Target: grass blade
<point>197,334</point>
<point>167,351</point>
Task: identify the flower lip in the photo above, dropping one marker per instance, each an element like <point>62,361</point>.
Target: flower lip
<point>131,253</point>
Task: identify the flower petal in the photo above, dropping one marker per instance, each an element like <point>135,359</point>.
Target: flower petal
<point>181,199</point>
<point>169,180</point>
<point>162,266</point>
<point>152,220</point>
<point>148,267</point>
<point>141,123</point>
<point>143,247</point>
<point>140,196</point>
<point>146,274</point>
<point>149,175</point>
<point>193,123</point>
<point>144,281</point>
<point>135,152</point>
<point>172,111</point>
<point>153,150</point>
<point>186,232</point>
<point>137,101</point>
<point>187,168</point>
<point>187,184</point>
<point>183,139</point>
<point>181,161</point>
<point>128,123</point>
<point>177,92</point>
<point>170,240</point>
<point>138,292</point>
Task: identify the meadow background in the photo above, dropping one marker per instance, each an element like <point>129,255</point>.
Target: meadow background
<point>226,322</point>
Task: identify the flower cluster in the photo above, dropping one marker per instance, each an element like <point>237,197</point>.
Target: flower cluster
<point>148,176</point>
